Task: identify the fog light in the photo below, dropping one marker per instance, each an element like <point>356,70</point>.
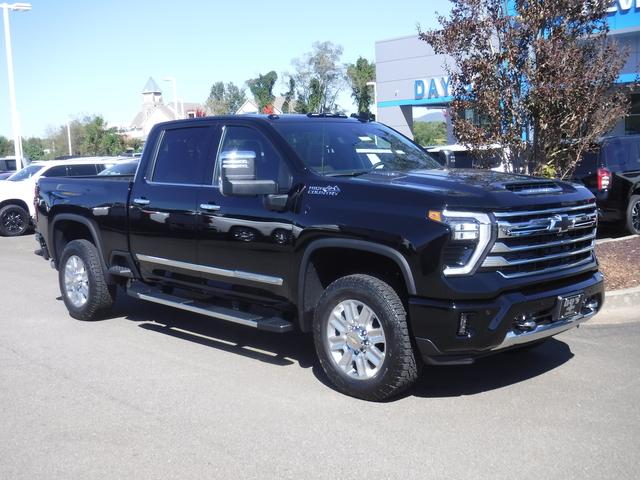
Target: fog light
<point>591,305</point>
<point>525,322</point>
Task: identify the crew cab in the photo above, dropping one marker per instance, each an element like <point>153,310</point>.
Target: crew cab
<point>16,191</point>
<point>334,226</point>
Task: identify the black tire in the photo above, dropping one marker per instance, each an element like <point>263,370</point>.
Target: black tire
<point>633,215</point>
<point>101,294</point>
<point>14,221</point>
<point>400,367</point>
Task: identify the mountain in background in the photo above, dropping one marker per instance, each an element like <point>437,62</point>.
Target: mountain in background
<point>432,116</point>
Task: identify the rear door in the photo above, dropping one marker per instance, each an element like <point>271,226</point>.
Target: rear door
<point>163,203</point>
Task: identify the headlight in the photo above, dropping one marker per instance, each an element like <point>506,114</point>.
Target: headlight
<point>470,236</point>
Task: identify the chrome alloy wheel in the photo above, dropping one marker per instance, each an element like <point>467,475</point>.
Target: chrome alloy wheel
<point>355,339</point>
<point>635,216</point>
<point>76,281</point>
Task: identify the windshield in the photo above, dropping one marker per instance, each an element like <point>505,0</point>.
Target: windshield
<point>25,173</point>
<point>344,148</point>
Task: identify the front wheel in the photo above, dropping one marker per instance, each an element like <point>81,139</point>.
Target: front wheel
<point>362,338</point>
<point>14,221</point>
<point>83,285</point>
<point>633,215</point>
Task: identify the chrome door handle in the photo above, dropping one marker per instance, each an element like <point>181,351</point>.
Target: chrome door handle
<point>210,207</point>
<point>141,201</point>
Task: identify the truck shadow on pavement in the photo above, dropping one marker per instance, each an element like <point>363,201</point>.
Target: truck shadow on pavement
<point>490,373</point>
<point>493,372</point>
<point>277,349</point>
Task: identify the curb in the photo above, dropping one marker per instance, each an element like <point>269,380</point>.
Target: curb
<point>602,241</point>
<point>627,297</point>
<point>620,307</point>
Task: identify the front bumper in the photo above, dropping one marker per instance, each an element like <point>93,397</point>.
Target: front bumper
<point>492,325</point>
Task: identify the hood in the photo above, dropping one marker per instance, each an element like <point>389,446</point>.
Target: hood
<point>473,188</point>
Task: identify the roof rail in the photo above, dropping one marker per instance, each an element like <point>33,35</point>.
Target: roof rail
<point>326,115</point>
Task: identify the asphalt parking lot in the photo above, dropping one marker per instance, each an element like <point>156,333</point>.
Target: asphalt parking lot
<point>158,393</point>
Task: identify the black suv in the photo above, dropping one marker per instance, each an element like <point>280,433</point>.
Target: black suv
<point>612,173</point>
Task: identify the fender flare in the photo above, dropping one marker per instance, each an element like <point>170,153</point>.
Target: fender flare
<point>78,219</point>
<point>351,244</point>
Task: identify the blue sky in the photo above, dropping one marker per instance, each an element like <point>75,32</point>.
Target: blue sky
<point>74,57</point>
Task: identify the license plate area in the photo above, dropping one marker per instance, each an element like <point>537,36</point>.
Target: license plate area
<point>569,306</point>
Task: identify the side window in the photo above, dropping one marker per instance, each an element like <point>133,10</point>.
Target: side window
<point>615,154</point>
<point>59,171</point>
<point>269,163</point>
<point>182,156</point>
<point>81,170</point>
<point>633,162</point>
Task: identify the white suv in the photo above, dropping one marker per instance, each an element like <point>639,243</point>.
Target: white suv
<point>16,192</point>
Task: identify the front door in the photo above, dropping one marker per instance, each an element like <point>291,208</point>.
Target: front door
<point>244,243</point>
<point>164,200</point>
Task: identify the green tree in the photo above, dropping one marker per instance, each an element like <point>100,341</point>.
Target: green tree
<point>319,77</point>
<point>546,67</point>
<point>33,148</point>
<point>6,147</point>
<point>289,96</point>
<point>262,89</point>
<point>359,74</point>
<point>430,133</point>
<point>225,99</point>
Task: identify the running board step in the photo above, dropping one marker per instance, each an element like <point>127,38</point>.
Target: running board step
<point>121,271</point>
<point>271,324</point>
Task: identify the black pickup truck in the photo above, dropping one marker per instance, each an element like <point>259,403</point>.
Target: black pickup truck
<point>330,225</point>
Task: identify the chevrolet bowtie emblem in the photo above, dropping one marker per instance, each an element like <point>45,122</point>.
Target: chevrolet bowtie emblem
<point>561,223</point>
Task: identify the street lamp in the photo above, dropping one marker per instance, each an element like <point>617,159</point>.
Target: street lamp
<point>375,97</point>
<point>15,121</point>
<point>175,94</point>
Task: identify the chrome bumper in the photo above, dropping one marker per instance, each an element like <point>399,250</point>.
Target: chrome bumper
<point>517,337</point>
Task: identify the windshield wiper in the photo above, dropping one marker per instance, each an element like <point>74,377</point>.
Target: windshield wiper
<point>355,173</point>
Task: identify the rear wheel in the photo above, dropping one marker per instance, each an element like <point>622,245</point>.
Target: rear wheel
<point>362,338</point>
<point>14,221</point>
<point>83,285</point>
<point>633,215</point>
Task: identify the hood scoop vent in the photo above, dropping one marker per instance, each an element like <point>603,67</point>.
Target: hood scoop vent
<point>533,188</point>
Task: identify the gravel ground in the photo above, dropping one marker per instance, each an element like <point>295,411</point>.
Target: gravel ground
<point>620,263</point>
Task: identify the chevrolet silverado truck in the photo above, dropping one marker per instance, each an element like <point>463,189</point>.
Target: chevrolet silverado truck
<point>335,226</point>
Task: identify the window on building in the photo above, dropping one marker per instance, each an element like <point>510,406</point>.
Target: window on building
<point>632,120</point>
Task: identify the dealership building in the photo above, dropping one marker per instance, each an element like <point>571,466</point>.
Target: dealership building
<point>411,77</point>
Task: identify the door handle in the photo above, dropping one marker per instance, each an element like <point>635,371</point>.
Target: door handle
<point>141,201</point>
<point>209,207</point>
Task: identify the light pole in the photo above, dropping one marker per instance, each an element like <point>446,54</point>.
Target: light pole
<point>375,97</point>
<point>15,120</point>
<point>69,137</point>
<point>175,94</point>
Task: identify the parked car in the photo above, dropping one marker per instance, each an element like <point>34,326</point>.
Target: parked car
<point>335,226</point>
<point>612,172</point>
<point>460,156</point>
<point>122,168</point>
<point>7,166</point>
<point>16,191</point>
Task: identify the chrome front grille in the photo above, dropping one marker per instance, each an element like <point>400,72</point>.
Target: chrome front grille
<point>541,241</point>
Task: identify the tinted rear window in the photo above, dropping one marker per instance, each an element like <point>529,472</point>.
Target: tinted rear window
<point>588,163</point>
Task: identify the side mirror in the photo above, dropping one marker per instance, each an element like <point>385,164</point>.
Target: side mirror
<point>449,158</point>
<point>238,175</point>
